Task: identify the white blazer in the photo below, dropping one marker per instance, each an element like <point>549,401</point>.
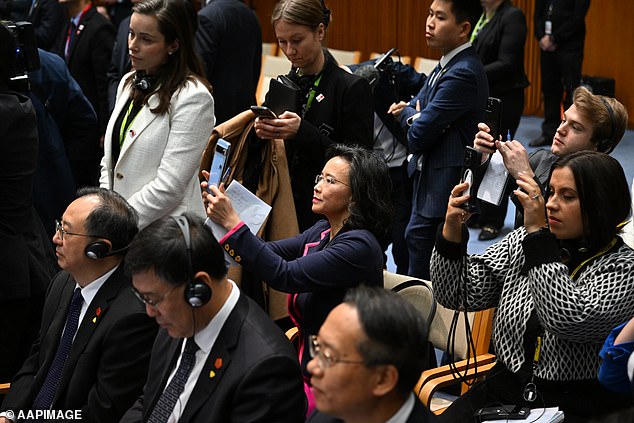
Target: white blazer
<point>157,170</point>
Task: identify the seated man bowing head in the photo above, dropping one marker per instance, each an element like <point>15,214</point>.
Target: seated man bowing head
<point>218,357</point>
<point>93,349</point>
<point>367,359</point>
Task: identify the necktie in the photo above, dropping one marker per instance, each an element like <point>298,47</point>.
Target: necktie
<point>433,77</point>
<point>44,398</point>
<point>165,404</point>
<point>72,31</point>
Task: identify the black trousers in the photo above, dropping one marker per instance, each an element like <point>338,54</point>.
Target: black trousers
<point>402,209</point>
<point>561,74</point>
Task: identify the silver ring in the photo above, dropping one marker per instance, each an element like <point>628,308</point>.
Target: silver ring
<point>535,197</point>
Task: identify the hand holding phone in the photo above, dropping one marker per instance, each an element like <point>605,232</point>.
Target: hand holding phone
<point>471,173</point>
<point>219,170</point>
<point>263,112</point>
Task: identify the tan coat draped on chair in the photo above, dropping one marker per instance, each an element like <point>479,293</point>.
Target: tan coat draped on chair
<point>274,188</point>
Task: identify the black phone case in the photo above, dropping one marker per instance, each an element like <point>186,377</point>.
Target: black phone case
<point>493,117</point>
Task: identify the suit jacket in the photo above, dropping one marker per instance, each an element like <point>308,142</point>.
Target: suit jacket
<point>450,111</point>
<point>229,41</point>
<point>340,113</point>
<point>108,361</point>
<point>157,169</point>
<point>314,269</point>
<point>568,20</point>
<point>500,45</point>
<point>258,379</point>
<point>88,61</point>
<point>65,118</point>
<point>419,414</point>
<point>119,63</point>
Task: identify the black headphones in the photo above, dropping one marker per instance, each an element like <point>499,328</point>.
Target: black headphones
<point>101,249</point>
<point>608,144</point>
<point>197,293</point>
<point>143,82</point>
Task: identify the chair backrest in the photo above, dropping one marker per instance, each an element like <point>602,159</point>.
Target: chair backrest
<point>424,65</point>
<point>272,66</point>
<point>406,60</point>
<point>269,49</point>
<point>417,291</point>
<point>346,57</point>
<point>480,322</point>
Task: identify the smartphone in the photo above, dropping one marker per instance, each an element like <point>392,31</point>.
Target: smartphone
<point>493,116</point>
<point>502,412</point>
<point>472,174</point>
<point>263,112</point>
<point>219,163</point>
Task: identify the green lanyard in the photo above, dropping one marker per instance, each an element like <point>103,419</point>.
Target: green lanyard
<point>312,92</point>
<point>481,23</point>
<point>125,125</point>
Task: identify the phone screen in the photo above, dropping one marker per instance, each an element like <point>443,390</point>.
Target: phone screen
<point>218,162</point>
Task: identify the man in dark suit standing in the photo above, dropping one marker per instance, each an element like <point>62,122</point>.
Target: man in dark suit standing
<point>367,359</point>
<point>86,44</point>
<point>560,29</point>
<point>451,104</point>
<point>93,348</point>
<point>229,41</point>
<point>218,356</point>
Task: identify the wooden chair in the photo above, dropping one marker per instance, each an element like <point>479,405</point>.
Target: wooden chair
<point>346,57</point>
<point>424,65</point>
<point>406,60</point>
<point>433,379</point>
<point>4,388</point>
<point>272,66</point>
<point>269,49</point>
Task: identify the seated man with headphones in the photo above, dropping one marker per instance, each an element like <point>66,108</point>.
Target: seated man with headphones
<point>93,348</point>
<point>218,357</point>
<point>593,122</point>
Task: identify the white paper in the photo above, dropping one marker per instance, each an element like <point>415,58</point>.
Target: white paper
<point>493,183</point>
<point>538,415</point>
<point>251,210</point>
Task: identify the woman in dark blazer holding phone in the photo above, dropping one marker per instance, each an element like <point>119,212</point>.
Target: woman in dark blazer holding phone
<point>336,107</point>
<point>499,38</point>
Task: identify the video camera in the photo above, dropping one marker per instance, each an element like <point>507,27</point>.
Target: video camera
<point>25,57</point>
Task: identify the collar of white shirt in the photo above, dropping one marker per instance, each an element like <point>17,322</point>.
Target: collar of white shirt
<point>403,413</point>
<point>447,57</point>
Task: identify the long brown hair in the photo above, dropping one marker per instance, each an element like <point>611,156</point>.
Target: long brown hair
<point>177,20</point>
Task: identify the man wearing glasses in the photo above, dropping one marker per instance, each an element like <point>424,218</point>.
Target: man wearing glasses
<point>367,359</point>
<point>94,343</point>
<point>218,357</point>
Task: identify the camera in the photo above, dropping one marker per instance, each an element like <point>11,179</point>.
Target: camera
<point>24,57</point>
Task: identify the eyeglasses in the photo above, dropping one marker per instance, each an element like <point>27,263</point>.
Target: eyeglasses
<point>331,180</point>
<point>324,358</point>
<point>60,229</point>
<point>146,299</point>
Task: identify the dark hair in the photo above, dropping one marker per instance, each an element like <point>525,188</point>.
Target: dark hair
<point>608,117</point>
<point>370,207</point>
<point>177,20</point>
<point>7,52</point>
<point>309,13</point>
<point>604,194</point>
<point>161,247</point>
<point>113,219</point>
<point>394,333</point>
<point>466,10</point>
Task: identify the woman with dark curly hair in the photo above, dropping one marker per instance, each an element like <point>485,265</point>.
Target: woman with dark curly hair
<point>319,265</point>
